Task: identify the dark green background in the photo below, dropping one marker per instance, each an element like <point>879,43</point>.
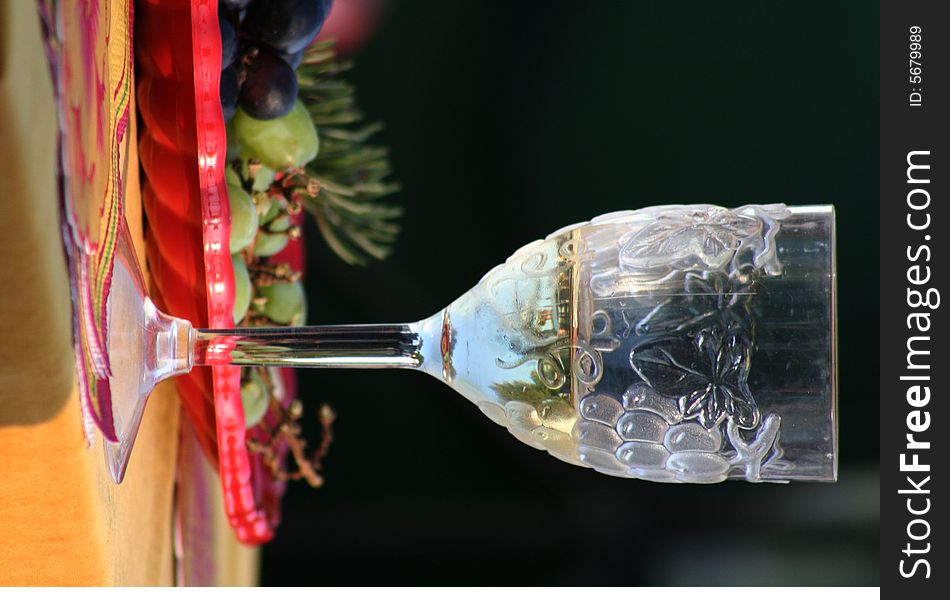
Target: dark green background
<point>507,120</point>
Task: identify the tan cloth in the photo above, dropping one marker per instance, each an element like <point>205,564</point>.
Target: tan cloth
<point>62,520</point>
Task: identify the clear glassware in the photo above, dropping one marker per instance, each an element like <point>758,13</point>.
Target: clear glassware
<point>674,343</point>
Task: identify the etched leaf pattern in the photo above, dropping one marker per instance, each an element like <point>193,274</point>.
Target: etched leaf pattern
<point>707,374</point>
<point>696,346</point>
<point>708,297</point>
<point>689,238</point>
<point>670,365</point>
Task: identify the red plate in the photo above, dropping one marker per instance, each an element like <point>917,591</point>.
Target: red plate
<point>182,146</point>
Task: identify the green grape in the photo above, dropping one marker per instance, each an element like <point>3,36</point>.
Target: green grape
<point>285,303</point>
<point>263,178</point>
<point>264,204</point>
<point>283,143</point>
<point>263,175</point>
<point>255,399</point>
<point>268,208</point>
<point>231,177</point>
<point>242,287</point>
<point>280,224</point>
<point>269,244</point>
<point>244,221</point>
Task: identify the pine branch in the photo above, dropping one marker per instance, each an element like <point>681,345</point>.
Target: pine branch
<point>350,174</point>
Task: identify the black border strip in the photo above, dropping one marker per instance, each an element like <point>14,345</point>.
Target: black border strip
<point>915,227</point>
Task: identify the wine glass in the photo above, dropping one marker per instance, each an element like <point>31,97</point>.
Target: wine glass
<point>673,343</point>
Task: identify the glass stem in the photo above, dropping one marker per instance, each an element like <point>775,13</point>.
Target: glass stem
<point>327,346</point>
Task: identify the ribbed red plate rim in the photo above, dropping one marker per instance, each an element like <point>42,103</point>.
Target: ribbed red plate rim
<point>249,521</point>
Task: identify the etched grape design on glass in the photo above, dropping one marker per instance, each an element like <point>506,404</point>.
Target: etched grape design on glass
<point>676,343</point>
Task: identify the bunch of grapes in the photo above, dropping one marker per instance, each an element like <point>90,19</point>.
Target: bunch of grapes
<point>277,89</point>
<point>265,294</point>
<point>270,135</point>
<point>262,42</point>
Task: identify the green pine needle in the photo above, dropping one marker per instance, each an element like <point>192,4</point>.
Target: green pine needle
<point>352,173</point>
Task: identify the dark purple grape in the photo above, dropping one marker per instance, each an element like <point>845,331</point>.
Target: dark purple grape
<point>270,86</point>
<point>234,5</point>
<point>287,25</point>
<point>293,58</point>
<point>229,42</point>
<point>230,89</point>
<point>227,11</point>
